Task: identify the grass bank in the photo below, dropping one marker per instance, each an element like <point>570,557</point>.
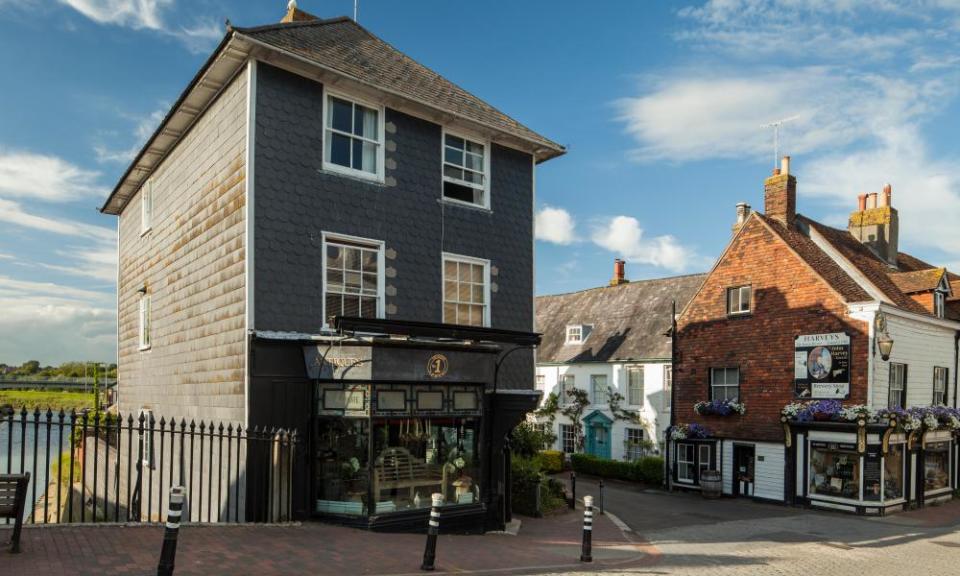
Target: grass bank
<point>43,399</point>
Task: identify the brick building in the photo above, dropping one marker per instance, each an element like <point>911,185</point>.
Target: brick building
<point>785,347</point>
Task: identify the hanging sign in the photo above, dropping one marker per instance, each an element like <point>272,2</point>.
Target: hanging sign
<point>822,366</point>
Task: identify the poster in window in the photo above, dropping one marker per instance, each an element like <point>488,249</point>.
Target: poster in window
<point>822,366</point>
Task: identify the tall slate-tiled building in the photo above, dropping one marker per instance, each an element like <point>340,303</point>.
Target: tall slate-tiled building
<point>323,234</point>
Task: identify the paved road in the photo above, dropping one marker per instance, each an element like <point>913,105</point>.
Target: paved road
<point>690,535</point>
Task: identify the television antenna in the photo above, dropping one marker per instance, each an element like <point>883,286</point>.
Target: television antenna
<point>776,125</point>
<point>356,9</point>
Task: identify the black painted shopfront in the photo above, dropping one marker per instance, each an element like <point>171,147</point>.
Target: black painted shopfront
<point>390,421</point>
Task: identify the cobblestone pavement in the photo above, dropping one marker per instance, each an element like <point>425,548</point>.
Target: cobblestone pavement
<point>731,537</point>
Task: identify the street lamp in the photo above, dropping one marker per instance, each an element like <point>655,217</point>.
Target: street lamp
<point>883,341</point>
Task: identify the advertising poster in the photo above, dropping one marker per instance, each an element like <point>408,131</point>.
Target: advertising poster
<point>822,366</point>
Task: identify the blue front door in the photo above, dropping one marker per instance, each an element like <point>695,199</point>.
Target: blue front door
<point>597,430</point>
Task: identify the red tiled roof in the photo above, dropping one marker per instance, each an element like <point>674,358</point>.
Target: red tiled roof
<point>918,280</point>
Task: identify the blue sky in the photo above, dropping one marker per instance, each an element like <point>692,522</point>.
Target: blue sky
<point>660,104</point>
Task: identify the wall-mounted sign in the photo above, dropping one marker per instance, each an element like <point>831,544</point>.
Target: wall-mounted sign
<point>335,362</point>
<point>822,366</point>
<point>437,366</point>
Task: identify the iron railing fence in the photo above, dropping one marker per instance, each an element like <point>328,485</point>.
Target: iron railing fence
<point>96,467</point>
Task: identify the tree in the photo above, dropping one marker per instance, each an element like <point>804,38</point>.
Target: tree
<point>527,439</point>
<point>29,367</point>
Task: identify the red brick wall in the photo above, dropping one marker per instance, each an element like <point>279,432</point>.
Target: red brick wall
<point>789,299</point>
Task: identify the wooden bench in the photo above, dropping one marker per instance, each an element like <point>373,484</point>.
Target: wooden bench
<point>13,498</point>
<point>396,468</point>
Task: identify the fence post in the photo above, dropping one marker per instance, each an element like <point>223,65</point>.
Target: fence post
<point>169,551</point>
<point>573,490</point>
<point>537,499</point>
<point>601,496</point>
<point>430,552</point>
<point>585,549</point>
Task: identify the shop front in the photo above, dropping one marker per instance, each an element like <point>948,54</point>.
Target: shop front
<point>393,421</point>
<point>870,469</point>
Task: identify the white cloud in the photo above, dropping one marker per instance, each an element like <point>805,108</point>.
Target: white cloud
<point>144,126</point>
<point>554,225</point>
<point>99,263</point>
<point>696,115</point>
<point>133,13</point>
<point>149,14</point>
<point>55,323</point>
<point>41,177</point>
<point>624,236</point>
<point>12,213</point>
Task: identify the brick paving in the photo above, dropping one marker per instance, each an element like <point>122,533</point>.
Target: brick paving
<point>543,545</point>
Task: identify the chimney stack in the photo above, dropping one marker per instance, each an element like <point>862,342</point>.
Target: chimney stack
<point>618,273</point>
<point>743,212</point>
<point>876,224</point>
<point>780,194</point>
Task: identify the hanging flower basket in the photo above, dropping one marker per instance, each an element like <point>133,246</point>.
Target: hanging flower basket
<point>720,408</point>
<point>689,431</point>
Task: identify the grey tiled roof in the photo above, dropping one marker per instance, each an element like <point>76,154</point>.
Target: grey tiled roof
<point>628,321</point>
<point>344,46</point>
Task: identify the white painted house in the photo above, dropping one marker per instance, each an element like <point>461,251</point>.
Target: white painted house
<point>611,338</point>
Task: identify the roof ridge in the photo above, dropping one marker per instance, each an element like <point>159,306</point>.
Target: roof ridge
<point>631,282</point>
<point>297,24</point>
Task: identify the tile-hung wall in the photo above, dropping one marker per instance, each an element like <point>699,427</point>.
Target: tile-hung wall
<point>921,346</point>
<point>191,263</point>
<point>296,202</point>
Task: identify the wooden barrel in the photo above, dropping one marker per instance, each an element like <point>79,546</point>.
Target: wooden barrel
<point>711,484</point>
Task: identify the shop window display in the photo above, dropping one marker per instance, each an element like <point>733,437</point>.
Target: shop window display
<point>341,467</point>
<point>936,466</point>
<point>834,471</point>
<point>893,472</point>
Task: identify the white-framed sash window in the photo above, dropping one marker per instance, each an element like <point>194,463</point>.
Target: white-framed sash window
<point>466,290</point>
<point>353,278</point>
<point>724,383</point>
<point>466,170</point>
<point>145,322</point>
<point>739,300</point>
<point>146,207</point>
<point>635,385</point>
<point>353,137</point>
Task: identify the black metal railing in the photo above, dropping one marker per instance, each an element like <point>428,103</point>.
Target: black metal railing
<point>97,467</point>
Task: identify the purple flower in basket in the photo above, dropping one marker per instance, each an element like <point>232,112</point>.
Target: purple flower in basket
<point>697,431</point>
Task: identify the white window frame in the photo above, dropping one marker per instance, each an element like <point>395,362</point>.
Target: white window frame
<point>725,384</point>
<point>540,381</point>
<point>566,430</point>
<point>894,369</point>
<point>703,463</point>
<point>641,369</point>
<point>681,446</point>
<point>345,239</point>
<point>739,290</point>
<point>486,169</point>
<point>564,397</point>
<point>605,392</point>
<point>941,375</point>
<point>667,387</point>
<point>633,451</point>
<point>487,304</point>
<point>329,166</point>
<point>574,334</point>
<point>145,321</point>
<point>939,303</point>
<point>148,441</point>
<point>146,207</point>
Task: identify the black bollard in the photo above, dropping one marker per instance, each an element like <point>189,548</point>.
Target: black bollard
<point>430,552</point>
<point>601,496</point>
<point>586,553</point>
<point>573,490</point>
<point>169,550</point>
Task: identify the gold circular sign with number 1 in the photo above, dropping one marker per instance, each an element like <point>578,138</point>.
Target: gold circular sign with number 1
<point>437,366</point>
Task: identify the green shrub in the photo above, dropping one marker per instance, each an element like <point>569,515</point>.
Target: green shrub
<point>648,469</point>
<point>551,461</point>
<point>527,440</point>
<point>526,474</point>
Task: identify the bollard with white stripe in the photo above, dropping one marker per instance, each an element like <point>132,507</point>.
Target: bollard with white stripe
<point>573,490</point>
<point>169,550</point>
<point>586,554</point>
<point>600,500</point>
<point>430,552</point>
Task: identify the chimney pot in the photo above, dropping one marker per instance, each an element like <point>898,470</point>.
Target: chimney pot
<point>872,200</point>
<point>861,202</point>
<point>619,277</point>
<point>886,199</point>
<point>776,171</point>
<point>785,165</point>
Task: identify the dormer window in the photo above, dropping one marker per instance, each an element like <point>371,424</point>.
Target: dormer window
<point>577,333</point>
<point>940,298</point>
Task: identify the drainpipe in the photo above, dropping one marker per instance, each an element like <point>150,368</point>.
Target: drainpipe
<point>956,364</point>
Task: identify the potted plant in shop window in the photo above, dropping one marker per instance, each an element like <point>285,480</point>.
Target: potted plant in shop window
<point>463,485</point>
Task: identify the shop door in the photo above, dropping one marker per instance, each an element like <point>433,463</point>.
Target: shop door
<point>743,469</point>
<point>598,440</point>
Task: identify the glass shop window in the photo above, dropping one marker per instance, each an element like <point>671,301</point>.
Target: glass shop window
<point>893,466</point>
<point>936,466</point>
<point>341,467</point>
<point>416,457</point>
<point>835,472</point>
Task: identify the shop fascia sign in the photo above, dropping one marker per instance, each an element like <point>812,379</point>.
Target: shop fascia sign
<point>822,366</point>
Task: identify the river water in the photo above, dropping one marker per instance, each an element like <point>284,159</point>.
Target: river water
<point>17,452</point>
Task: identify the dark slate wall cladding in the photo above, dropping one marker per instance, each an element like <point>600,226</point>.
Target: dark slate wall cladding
<point>295,202</point>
